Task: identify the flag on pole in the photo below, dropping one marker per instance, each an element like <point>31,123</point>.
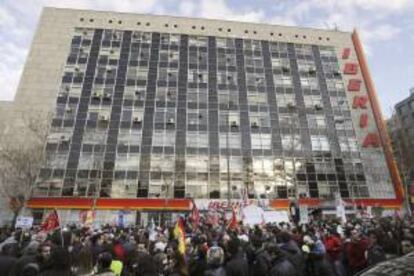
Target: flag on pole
<point>51,222</point>
<point>195,216</point>
<point>179,234</point>
<point>151,230</point>
<point>233,222</point>
<point>87,217</point>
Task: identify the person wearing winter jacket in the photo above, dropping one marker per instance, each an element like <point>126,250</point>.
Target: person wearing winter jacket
<point>375,253</point>
<point>215,259</point>
<point>280,264</point>
<point>355,252</point>
<point>333,245</point>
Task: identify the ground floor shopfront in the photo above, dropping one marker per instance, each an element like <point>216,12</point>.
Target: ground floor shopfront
<point>141,211</point>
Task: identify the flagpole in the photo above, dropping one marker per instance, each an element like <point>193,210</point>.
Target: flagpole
<point>60,227</point>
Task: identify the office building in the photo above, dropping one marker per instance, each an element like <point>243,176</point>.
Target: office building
<point>152,111</point>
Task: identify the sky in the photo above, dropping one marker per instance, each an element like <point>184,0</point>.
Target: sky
<point>386,28</point>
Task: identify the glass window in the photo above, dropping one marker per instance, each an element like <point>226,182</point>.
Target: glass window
<point>197,163</point>
<point>197,76</point>
<point>235,164</point>
<point>342,123</point>
<point>163,138</point>
<point>259,119</point>
<point>197,117</point>
<point>309,82</point>
<point>234,140</point>
<point>316,121</point>
<point>226,78</point>
<point>197,139</point>
<point>289,120</point>
<point>129,137</point>
<point>313,101</point>
<point>283,81</point>
<point>229,117</point>
<point>261,141</point>
<point>127,161</point>
<point>229,97</point>
<point>286,100</point>
<point>162,163</point>
<point>348,144</point>
<point>320,143</point>
<point>199,41</point>
<point>291,142</point>
<point>256,98</point>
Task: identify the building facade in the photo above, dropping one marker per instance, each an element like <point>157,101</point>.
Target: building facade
<point>401,130</point>
<point>152,111</point>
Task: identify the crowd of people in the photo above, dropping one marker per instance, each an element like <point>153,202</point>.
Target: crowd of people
<point>322,247</point>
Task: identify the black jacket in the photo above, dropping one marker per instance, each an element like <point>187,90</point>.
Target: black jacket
<point>237,266</point>
<point>282,267</point>
<point>6,264</point>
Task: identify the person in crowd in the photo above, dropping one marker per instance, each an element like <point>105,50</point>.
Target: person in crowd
<point>333,245</point>
<point>7,258</point>
<point>83,263</point>
<point>58,263</point>
<point>215,260</point>
<point>104,263</point>
<point>355,252</point>
<point>236,264</point>
<point>375,253</point>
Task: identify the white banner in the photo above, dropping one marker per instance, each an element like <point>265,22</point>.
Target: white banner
<point>24,222</point>
<point>303,214</point>
<point>276,216</point>
<point>223,204</point>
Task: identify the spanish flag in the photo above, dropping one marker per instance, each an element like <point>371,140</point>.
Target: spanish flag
<point>179,234</point>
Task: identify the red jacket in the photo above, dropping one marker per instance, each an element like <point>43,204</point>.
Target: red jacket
<point>355,253</point>
<point>333,245</point>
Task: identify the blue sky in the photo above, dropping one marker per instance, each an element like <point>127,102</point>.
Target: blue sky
<point>386,27</point>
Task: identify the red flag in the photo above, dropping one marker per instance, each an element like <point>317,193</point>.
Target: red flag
<point>195,216</point>
<point>51,222</point>
<point>233,222</point>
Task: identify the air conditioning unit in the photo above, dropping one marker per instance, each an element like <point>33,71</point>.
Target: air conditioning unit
<point>312,70</point>
<point>234,124</point>
<point>64,139</point>
<point>171,121</point>
<point>107,96</point>
<point>339,120</point>
<point>285,69</point>
<point>103,118</point>
<point>137,120</point>
<point>255,125</point>
<point>96,95</point>
<point>290,105</point>
<point>337,73</point>
<point>68,110</point>
<point>318,107</point>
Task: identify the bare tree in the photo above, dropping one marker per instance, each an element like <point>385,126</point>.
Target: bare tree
<point>21,157</point>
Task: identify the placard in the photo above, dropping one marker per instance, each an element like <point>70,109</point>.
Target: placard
<point>24,222</point>
<point>303,214</point>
